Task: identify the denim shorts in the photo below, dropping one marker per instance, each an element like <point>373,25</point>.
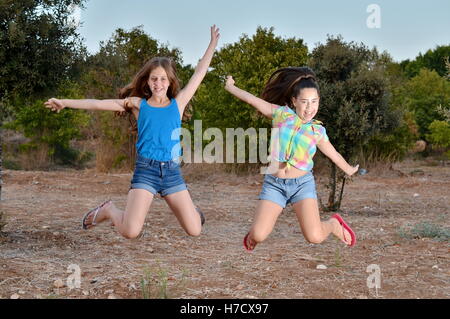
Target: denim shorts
<point>157,177</point>
<point>283,191</point>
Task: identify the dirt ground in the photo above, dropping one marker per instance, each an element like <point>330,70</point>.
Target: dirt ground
<point>43,238</point>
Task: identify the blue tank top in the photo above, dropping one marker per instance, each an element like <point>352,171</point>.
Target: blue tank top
<point>156,126</point>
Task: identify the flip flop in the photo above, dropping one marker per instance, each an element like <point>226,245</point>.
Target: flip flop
<point>345,226</point>
<point>249,249</point>
<point>95,211</point>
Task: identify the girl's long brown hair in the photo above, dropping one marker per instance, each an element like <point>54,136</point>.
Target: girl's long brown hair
<point>286,83</point>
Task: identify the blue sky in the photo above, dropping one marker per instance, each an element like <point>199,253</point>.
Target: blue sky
<point>407,27</point>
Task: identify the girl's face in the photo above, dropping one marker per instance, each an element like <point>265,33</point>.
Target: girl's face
<point>159,83</point>
<point>306,104</point>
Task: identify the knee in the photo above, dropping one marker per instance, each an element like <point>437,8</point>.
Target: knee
<point>259,236</point>
<point>314,238</point>
<point>131,233</point>
<point>194,232</point>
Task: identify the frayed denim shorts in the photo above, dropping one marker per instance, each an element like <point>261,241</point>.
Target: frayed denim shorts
<point>283,191</point>
<point>157,177</point>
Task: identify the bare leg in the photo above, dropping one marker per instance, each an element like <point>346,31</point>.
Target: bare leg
<point>267,213</point>
<point>314,230</point>
<point>182,206</point>
<point>129,222</point>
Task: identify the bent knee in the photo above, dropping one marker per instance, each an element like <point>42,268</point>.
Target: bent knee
<point>314,238</point>
<point>131,233</point>
<point>259,236</point>
<point>194,232</point>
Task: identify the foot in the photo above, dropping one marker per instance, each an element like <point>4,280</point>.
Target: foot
<point>249,243</point>
<point>340,231</point>
<point>95,216</point>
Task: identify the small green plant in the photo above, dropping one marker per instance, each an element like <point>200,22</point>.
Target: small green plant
<point>2,221</point>
<point>426,230</point>
<point>154,283</point>
<point>337,258</point>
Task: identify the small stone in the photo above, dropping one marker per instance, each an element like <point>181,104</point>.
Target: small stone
<point>45,227</point>
<point>240,287</point>
<point>56,233</point>
<point>435,267</point>
<point>132,287</point>
<point>15,296</point>
<point>58,283</point>
<point>321,267</point>
<point>109,291</point>
<point>85,293</point>
<point>111,296</point>
<point>21,292</point>
<point>416,195</point>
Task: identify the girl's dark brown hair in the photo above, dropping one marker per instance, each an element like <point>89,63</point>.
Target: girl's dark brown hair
<point>286,83</point>
<point>139,86</point>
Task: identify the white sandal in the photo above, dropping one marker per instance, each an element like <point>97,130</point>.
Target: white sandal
<point>95,211</point>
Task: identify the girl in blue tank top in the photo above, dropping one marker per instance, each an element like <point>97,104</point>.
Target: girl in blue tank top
<point>154,98</point>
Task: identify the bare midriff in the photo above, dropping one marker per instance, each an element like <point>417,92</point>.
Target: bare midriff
<point>283,170</point>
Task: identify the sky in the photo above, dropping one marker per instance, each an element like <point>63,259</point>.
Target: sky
<point>403,28</point>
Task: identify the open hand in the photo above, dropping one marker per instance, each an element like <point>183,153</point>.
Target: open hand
<point>215,35</point>
<point>55,105</point>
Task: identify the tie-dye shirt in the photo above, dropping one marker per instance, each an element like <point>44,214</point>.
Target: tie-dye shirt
<point>296,141</point>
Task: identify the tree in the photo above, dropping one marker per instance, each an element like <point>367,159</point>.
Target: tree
<point>354,100</point>
<point>38,45</point>
<point>422,96</point>
<point>431,60</point>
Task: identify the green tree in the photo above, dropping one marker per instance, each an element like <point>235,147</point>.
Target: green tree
<point>38,45</point>
<point>432,60</point>
<point>55,131</point>
<point>422,96</point>
<point>354,100</point>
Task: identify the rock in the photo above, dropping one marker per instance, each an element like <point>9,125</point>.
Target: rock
<point>21,292</point>
<point>85,293</point>
<point>321,267</point>
<point>435,267</point>
<point>58,283</point>
<point>109,291</point>
<point>416,195</point>
<point>132,287</point>
<point>15,296</point>
<point>111,296</point>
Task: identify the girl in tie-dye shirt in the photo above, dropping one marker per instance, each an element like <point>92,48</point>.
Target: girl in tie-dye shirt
<point>291,99</point>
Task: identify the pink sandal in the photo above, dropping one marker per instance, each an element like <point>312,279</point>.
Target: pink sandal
<point>345,226</point>
<point>95,211</point>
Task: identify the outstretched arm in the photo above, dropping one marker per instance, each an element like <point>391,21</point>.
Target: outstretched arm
<point>264,107</point>
<point>186,94</point>
<point>90,104</point>
<point>328,149</point>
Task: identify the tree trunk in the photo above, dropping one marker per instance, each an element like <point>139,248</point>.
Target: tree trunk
<point>332,185</point>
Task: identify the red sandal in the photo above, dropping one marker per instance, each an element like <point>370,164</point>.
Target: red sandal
<point>345,226</point>
<point>245,244</point>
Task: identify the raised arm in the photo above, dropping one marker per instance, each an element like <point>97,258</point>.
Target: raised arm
<point>186,94</point>
<point>262,106</point>
<point>328,149</point>
<point>90,104</point>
